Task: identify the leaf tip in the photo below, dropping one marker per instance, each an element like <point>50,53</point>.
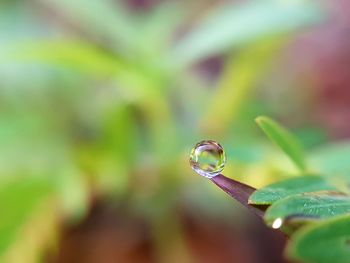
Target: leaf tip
<point>259,119</point>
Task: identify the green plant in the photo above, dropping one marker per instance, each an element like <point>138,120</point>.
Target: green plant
<point>90,105</point>
<point>313,207</point>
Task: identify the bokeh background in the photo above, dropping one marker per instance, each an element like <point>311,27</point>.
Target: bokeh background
<point>102,100</point>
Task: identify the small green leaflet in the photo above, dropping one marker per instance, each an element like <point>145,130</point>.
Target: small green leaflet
<point>323,242</point>
<point>298,185</point>
<point>283,139</point>
<point>317,205</point>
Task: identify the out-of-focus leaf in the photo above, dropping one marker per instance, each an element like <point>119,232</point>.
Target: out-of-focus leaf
<point>302,184</point>
<point>234,86</point>
<point>104,19</point>
<point>232,25</point>
<point>17,22</point>
<point>324,242</point>
<point>332,159</point>
<point>69,54</point>
<point>158,28</point>
<point>73,193</point>
<point>83,57</point>
<point>310,137</point>
<point>120,133</point>
<point>283,139</point>
<point>315,205</point>
<point>22,202</point>
<point>30,143</point>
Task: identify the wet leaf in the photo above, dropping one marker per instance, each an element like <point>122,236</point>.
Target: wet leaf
<point>303,184</point>
<point>317,205</point>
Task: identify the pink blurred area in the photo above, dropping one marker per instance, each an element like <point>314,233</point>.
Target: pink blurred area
<point>319,62</point>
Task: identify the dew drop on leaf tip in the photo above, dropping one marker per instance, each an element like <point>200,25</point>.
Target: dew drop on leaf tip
<point>207,158</point>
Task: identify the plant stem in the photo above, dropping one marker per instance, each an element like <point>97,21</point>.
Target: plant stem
<point>238,191</point>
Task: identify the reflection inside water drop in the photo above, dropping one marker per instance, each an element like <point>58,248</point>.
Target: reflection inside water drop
<point>207,158</point>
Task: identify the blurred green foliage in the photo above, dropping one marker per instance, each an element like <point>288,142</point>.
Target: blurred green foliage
<point>281,137</point>
<point>101,100</point>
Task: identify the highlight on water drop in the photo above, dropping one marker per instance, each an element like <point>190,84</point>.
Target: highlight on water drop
<point>277,223</point>
<point>208,158</point>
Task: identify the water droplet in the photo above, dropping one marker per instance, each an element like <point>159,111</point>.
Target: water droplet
<point>277,223</point>
<point>207,158</point>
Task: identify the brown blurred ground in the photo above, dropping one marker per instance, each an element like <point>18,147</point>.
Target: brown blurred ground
<point>113,234</point>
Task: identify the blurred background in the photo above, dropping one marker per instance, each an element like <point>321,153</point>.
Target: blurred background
<point>102,100</point>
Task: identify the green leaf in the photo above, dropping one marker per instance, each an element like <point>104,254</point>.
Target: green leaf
<point>324,242</point>
<point>82,57</point>
<point>316,205</point>
<point>19,202</point>
<point>231,25</point>
<point>66,53</point>
<point>303,184</point>
<point>283,139</point>
<point>120,133</point>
